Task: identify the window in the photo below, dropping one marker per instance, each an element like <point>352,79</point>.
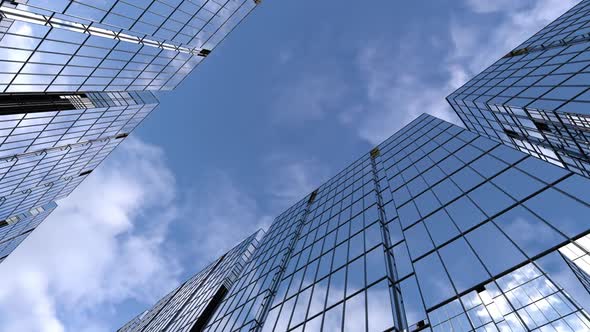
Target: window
<point>441,227</point>
<point>570,218</point>
<point>433,280</point>
<point>494,249</point>
<point>512,134</point>
<point>530,233</point>
<point>380,313</point>
<point>408,214</point>
<point>518,184</point>
<point>418,240</point>
<point>465,213</point>
<point>490,199</point>
<point>463,266</point>
<point>413,306</point>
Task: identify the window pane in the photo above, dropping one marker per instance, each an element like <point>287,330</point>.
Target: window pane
<point>465,270</point>
<point>572,216</point>
<point>333,319</point>
<point>465,213</point>
<point>354,319</point>
<point>379,308</point>
<point>441,227</point>
<point>433,280</point>
<point>418,240</point>
<point>490,199</point>
<point>494,249</point>
<point>530,233</point>
<point>413,307</point>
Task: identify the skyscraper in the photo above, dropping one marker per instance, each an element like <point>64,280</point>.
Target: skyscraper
<point>119,45</point>
<point>52,142</point>
<point>16,228</point>
<point>435,229</point>
<point>189,306</point>
<point>76,78</point>
<point>536,97</point>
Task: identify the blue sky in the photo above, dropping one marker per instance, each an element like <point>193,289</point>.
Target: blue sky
<point>297,92</point>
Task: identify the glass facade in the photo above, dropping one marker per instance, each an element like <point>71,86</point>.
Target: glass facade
<point>15,229</point>
<point>118,45</point>
<point>436,229</point>
<point>75,80</point>
<point>189,306</point>
<point>537,97</point>
<point>44,155</point>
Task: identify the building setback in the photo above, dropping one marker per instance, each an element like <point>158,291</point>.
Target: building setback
<point>537,97</point>
<point>76,77</point>
<point>435,229</point>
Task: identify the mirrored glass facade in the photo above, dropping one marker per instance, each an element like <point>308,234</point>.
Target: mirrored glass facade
<point>537,97</point>
<point>45,154</point>
<point>116,45</point>
<point>75,80</point>
<point>436,229</point>
<point>15,229</point>
<point>188,307</point>
<point>49,143</point>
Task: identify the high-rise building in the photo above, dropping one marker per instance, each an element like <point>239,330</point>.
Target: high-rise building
<point>49,143</point>
<point>188,307</point>
<point>537,97</point>
<point>436,229</point>
<point>15,229</point>
<point>575,255</point>
<point>117,45</point>
<point>76,78</point>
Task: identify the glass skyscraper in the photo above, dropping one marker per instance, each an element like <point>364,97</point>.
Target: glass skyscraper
<point>16,228</point>
<point>537,97</point>
<point>188,307</point>
<point>76,77</point>
<point>116,45</point>
<point>435,229</point>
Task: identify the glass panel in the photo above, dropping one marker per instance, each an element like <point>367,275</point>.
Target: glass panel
<point>433,280</point>
<point>494,249</point>
<point>463,266</point>
<point>571,216</point>
<point>530,233</point>
<point>441,227</point>
<point>465,213</point>
<point>379,310</point>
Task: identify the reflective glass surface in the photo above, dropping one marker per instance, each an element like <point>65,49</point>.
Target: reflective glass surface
<point>378,248</point>
<point>80,45</point>
<point>44,155</point>
<point>536,98</point>
<point>15,229</point>
<point>180,309</point>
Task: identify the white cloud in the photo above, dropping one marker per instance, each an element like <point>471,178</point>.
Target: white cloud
<point>222,216</point>
<point>517,21</point>
<point>396,90</point>
<point>90,253</point>
<point>397,81</point>
<point>487,6</point>
<point>311,96</point>
<point>293,177</point>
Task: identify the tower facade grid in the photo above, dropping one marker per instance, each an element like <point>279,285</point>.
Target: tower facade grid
<point>188,307</point>
<point>436,229</point>
<point>535,98</point>
<point>76,78</point>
